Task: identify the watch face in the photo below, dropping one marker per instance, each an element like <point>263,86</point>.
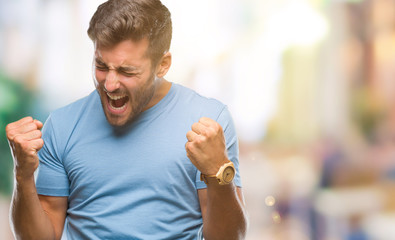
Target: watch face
<point>228,174</point>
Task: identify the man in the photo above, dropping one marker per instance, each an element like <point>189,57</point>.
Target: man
<point>140,157</point>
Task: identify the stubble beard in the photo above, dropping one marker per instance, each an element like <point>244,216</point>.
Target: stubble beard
<point>138,99</point>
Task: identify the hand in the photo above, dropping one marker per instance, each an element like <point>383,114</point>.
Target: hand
<point>206,146</point>
<point>24,137</point>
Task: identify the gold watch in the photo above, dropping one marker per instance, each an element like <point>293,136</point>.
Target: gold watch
<point>225,174</point>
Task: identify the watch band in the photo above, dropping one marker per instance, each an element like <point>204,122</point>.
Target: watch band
<point>203,177</point>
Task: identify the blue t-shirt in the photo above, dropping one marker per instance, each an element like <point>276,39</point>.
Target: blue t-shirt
<point>138,184</point>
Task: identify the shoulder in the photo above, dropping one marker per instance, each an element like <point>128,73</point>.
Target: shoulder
<point>76,108</point>
<point>192,95</point>
<point>63,120</point>
<point>202,105</point>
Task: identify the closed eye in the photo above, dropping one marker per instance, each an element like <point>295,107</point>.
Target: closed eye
<point>100,65</point>
<point>101,68</point>
<point>127,74</point>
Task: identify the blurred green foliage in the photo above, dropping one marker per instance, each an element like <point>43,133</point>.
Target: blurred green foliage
<point>15,102</point>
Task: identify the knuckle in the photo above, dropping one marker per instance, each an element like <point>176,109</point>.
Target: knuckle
<point>203,132</point>
<point>29,119</point>
<point>203,119</point>
<point>189,149</point>
<point>24,145</point>
<point>8,127</point>
<point>18,139</point>
<point>191,146</point>
<point>10,135</point>
<point>210,132</point>
<point>217,126</point>
<point>189,133</point>
<point>200,140</point>
<point>37,133</point>
<point>40,143</point>
<point>30,126</point>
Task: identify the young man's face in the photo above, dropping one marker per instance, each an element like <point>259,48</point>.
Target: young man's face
<point>125,80</point>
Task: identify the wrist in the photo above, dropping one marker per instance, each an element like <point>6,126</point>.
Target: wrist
<point>23,178</point>
<point>213,170</point>
<point>25,185</point>
<point>224,175</point>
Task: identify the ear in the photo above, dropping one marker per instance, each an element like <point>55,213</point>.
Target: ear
<point>163,65</point>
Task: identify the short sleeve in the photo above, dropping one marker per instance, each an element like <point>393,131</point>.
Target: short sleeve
<point>52,179</point>
<point>232,146</point>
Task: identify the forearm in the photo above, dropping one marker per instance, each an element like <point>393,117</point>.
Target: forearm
<point>28,218</point>
<point>225,216</point>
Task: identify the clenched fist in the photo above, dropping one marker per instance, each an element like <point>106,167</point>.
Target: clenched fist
<point>206,146</point>
<point>24,137</point>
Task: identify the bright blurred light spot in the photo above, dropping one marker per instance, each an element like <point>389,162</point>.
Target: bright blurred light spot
<point>270,201</point>
<point>276,217</point>
<point>297,24</point>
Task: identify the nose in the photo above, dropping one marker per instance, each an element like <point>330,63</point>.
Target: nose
<point>111,84</point>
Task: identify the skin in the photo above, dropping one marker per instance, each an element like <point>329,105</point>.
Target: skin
<point>207,151</point>
<point>30,216</point>
<point>120,73</point>
<point>124,70</point>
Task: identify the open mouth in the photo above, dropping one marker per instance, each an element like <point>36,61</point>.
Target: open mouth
<point>117,102</point>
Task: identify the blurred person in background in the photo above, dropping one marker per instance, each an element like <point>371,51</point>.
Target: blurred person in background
<point>115,163</point>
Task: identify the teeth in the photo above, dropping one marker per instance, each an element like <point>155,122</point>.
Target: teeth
<point>120,108</point>
<point>115,97</point>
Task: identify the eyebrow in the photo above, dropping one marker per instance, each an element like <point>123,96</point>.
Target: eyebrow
<point>120,68</point>
<point>127,68</point>
<point>99,61</point>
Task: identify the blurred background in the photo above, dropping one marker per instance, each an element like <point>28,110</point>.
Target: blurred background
<point>310,84</point>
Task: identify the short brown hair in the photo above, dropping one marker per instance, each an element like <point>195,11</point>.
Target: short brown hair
<point>118,20</point>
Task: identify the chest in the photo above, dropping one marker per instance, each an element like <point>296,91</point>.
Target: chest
<point>148,158</point>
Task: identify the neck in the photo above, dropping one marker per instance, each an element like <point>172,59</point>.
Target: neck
<point>162,87</point>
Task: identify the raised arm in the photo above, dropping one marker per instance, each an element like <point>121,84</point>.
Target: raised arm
<point>222,205</point>
<point>222,211</point>
<point>31,217</point>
